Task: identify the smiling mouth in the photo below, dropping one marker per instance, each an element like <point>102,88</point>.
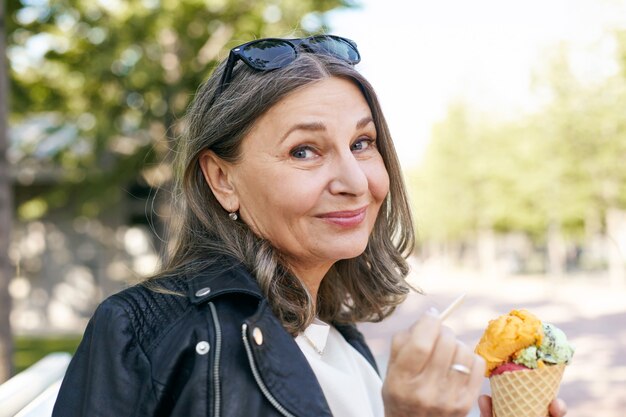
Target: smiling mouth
<point>348,218</point>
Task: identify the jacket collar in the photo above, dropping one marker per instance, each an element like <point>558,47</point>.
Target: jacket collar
<point>208,280</point>
<point>227,275</point>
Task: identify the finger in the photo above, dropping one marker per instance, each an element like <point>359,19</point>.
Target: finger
<point>558,408</point>
<point>401,339</point>
<point>441,359</point>
<point>476,379</point>
<point>462,363</point>
<point>398,341</point>
<point>478,371</point>
<point>468,375</point>
<point>414,354</point>
<point>484,404</point>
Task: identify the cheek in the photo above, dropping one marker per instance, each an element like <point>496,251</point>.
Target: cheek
<point>278,195</point>
<point>299,194</point>
<point>378,180</point>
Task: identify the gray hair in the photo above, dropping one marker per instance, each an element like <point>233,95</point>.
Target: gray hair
<point>365,288</point>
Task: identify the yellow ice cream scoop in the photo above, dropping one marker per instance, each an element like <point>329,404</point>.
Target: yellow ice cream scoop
<point>508,334</point>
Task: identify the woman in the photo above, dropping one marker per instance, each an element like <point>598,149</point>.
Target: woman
<point>292,225</point>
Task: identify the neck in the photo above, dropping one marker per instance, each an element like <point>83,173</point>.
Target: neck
<point>311,277</point>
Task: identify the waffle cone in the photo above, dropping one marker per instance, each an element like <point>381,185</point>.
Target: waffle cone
<point>525,393</point>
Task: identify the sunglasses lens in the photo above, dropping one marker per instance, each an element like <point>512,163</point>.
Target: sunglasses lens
<point>336,46</point>
<point>269,54</point>
<point>273,53</point>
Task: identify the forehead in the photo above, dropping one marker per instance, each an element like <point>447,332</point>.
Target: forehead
<point>330,100</point>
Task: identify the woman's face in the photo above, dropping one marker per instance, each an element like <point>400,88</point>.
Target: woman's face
<point>310,178</point>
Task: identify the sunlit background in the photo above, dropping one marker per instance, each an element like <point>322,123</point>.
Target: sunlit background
<point>422,56</point>
<point>509,119</point>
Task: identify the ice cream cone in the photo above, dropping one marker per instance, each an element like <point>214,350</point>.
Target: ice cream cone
<point>525,393</point>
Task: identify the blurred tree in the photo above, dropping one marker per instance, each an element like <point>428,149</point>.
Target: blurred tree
<point>116,76</point>
<point>6,341</point>
<point>444,199</point>
<point>587,135</point>
<point>548,174</point>
<point>478,177</point>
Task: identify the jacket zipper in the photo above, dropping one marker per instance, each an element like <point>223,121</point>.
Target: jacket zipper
<point>216,363</point>
<point>257,376</point>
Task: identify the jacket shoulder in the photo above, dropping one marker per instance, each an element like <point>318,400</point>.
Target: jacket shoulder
<point>151,307</point>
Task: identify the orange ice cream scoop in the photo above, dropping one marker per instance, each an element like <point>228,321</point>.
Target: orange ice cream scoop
<point>508,334</point>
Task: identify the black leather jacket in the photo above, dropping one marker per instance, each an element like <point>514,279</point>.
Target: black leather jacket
<point>218,351</point>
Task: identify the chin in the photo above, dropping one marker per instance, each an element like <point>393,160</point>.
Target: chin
<point>349,253</point>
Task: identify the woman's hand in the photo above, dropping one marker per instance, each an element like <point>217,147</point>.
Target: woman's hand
<point>420,379</point>
<point>557,407</point>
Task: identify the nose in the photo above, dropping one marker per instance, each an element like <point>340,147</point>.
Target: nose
<point>348,175</point>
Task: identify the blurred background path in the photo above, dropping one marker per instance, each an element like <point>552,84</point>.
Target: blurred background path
<point>587,308</point>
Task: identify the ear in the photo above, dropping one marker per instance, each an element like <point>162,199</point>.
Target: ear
<point>217,174</point>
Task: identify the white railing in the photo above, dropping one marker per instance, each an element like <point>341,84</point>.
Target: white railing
<point>32,392</point>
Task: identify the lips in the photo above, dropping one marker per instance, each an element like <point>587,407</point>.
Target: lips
<point>345,218</point>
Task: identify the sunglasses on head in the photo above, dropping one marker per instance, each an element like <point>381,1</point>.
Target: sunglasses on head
<point>273,53</point>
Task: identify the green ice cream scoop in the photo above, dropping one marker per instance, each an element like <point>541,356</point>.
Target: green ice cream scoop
<point>527,357</point>
<point>554,348</point>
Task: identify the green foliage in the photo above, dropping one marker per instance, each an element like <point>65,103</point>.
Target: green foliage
<point>554,168</point>
<point>30,349</point>
<point>122,73</point>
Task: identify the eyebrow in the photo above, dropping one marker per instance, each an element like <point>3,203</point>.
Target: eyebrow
<point>312,127</point>
<point>320,127</point>
<point>364,122</point>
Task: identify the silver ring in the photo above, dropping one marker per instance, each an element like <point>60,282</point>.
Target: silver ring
<point>461,368</point>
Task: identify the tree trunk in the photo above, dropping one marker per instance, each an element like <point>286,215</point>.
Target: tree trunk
<point>616,242</point>
<point>486,247</point>
<point>556,251</point>
<point>6,205</point>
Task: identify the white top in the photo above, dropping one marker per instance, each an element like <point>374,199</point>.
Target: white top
<point>351,386</point>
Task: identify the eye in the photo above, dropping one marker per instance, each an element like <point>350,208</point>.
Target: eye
<point>362,144</point>
<point>303,152</point>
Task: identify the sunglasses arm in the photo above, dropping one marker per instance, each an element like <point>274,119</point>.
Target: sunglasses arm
<point>227,74</point>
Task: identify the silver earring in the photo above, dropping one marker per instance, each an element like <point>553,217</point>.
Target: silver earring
<point>233,216</point>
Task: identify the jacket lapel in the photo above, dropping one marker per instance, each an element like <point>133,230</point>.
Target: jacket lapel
<point>282,366</point>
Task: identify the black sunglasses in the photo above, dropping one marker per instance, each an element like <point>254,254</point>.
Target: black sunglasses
<point>273,53</point>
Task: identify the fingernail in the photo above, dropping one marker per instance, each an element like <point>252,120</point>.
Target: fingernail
<point>432,311</point>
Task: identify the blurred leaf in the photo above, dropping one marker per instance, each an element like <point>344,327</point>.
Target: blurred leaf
<point>112,70</point>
